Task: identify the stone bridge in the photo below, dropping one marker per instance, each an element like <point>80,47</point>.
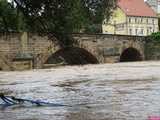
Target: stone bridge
<point>19,51</point>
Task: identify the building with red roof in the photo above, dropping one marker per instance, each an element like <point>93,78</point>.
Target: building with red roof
<point>132,17</point>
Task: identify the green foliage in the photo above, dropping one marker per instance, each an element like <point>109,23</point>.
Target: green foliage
<point>93,28</point>
<point>58,17</point>
<point>65,16</point>
<point>152,47</point>
<point>155,37</point>
<point>10,18</point>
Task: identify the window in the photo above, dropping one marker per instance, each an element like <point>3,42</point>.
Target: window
<point>147,31</point>
<point>142,31</point>
<point>136,31</point>
<point>120,26</point>
<point>129,20</point>
<point>150,28</point>
<point>147,20</point>
<point>141,20</point>
<point>152,21</point>
<point>130,31</point>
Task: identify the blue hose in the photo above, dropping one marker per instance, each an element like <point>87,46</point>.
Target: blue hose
<point>10,100</point>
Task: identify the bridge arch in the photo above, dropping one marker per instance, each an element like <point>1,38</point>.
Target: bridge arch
<point>130,55</point>
<point>72,56</point>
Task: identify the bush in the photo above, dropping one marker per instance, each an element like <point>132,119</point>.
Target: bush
<point>155,37</point>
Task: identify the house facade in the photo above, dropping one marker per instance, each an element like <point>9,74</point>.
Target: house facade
<point>131,17</point>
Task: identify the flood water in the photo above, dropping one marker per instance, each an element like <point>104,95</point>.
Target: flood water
<point>123,91</point>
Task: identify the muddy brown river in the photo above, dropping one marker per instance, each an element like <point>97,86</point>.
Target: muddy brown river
<point>123,91</point>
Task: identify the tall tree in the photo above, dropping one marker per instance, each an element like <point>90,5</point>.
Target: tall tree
<point>64,16</point>
<point>10,18</point>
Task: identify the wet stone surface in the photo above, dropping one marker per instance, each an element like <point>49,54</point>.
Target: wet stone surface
<point>125,91</point>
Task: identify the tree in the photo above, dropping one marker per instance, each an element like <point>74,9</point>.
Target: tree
<point>155,37</point>
<point>152,46</point>
<point>64,16</point>
<point>10,18</point>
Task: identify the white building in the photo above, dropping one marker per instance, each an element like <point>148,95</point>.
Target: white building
<point>132,17</point>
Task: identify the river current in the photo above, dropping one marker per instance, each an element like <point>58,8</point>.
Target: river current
<point>122,91</point>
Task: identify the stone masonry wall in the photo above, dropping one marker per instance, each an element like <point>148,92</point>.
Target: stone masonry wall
<point>23,45</point>
<point>152,49</point>
<point>37,48</point>
<point>108,48</point>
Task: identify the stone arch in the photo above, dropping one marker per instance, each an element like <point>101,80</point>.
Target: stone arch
<point>72,56</point>
<point>131,54</point>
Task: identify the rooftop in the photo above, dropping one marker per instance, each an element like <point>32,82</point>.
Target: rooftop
<point>136,8</point>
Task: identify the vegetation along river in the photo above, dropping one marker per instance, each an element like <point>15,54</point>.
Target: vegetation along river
<point>122,91</point>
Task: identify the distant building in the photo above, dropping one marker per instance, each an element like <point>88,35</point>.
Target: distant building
<point>132,17</point>
<point>158,6</point>
<point>153,4</point>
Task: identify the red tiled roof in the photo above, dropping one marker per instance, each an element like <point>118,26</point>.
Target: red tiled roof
<point>136,8</point>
